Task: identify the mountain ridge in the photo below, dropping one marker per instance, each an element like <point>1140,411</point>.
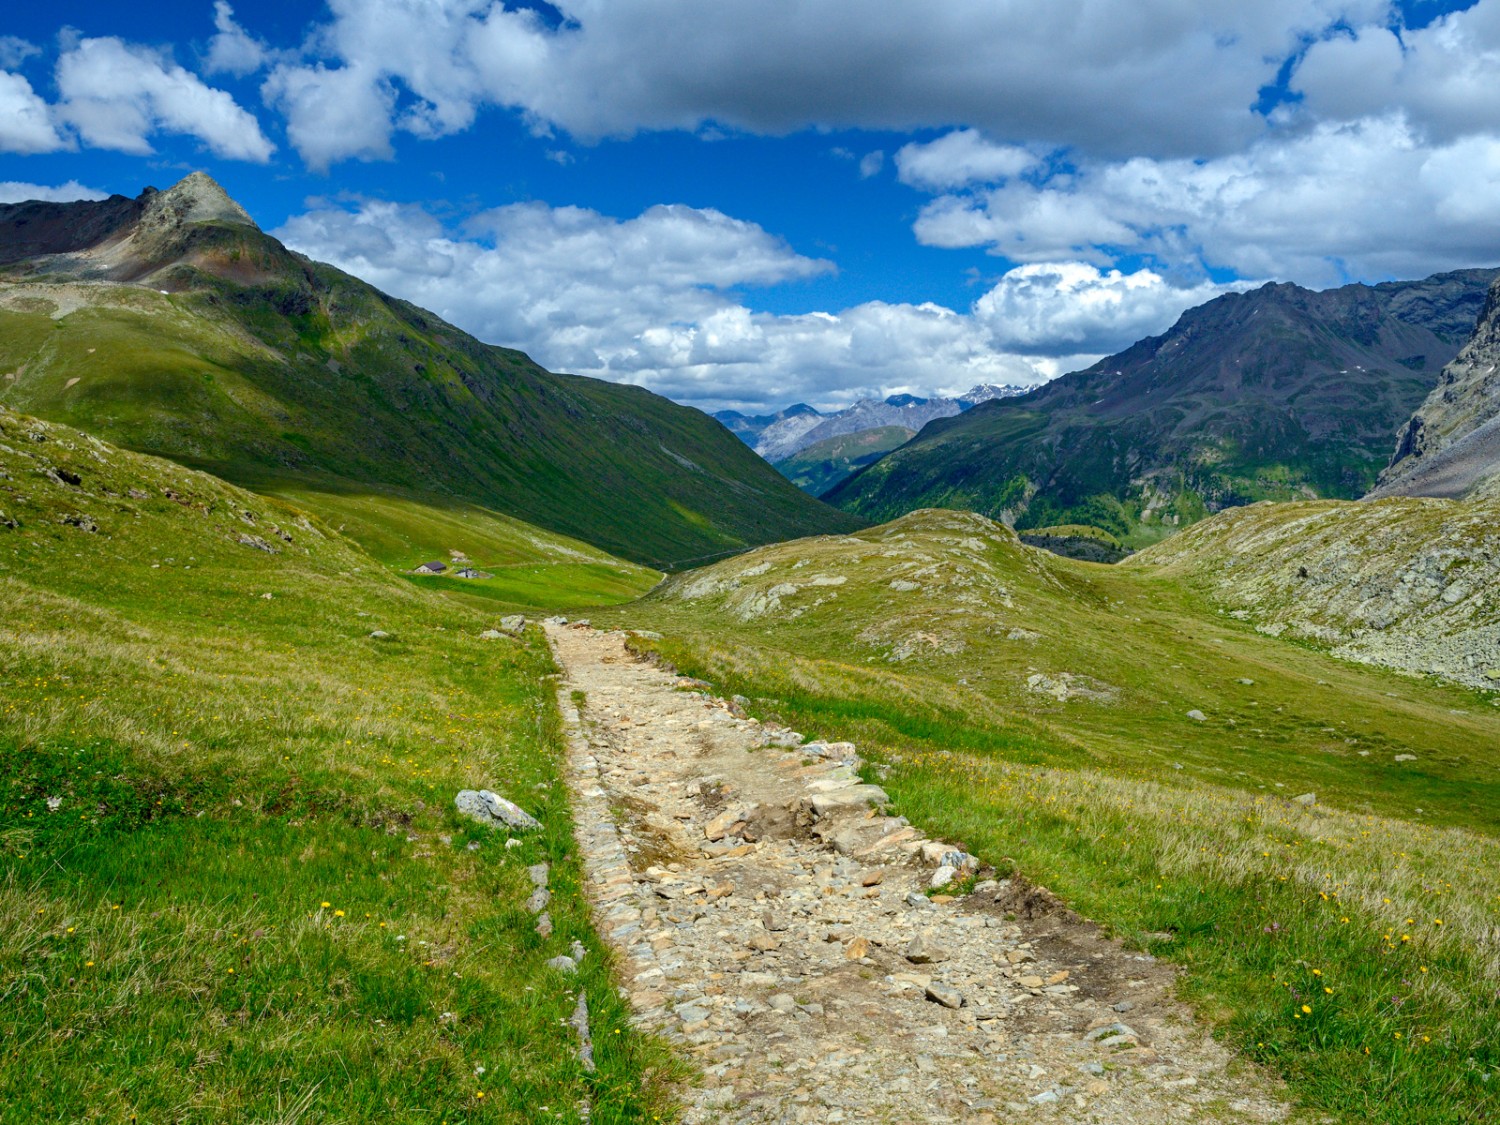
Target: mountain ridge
<point>798,427</point>
<point>172,325</point>
<point>1276,393</point>
<point>1451,444</point>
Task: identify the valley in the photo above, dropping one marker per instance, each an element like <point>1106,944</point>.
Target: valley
<point>1240,786</point>
<point>1280,393</point>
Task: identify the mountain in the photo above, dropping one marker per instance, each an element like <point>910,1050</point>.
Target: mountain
<point>749,427</point>
<point>825,463</point>
<point>172,325</point>
<point>1452,443</point>
<point>794,433</point>
<point>1277,393</point>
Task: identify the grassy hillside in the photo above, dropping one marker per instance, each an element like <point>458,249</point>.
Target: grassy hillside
<point>528,568</point>
<point>1276,394</point>
<point>224,351</point>
<point>1094,728</point>
<point>232,883</point>
<point>825,463</point>
<point>1409,584</point>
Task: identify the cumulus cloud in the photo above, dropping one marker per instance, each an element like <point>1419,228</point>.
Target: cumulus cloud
<point>1156,76</point>
<point>1066,308</point>
<point>334,114</point>
<point>871,163</point>
<point>1441,77</point>
<point>116,95</point>
<point>655,300</point>
<point>578,288</point>
<point>13,191</point>
<point>1369,198</point>
<point>25,121</point>
<point>960,158</point>
<point>233,50</point>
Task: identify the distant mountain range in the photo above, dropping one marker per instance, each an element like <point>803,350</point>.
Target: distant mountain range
<point>1277,393</point>
<point>788,438</point>
<point>172,325</point>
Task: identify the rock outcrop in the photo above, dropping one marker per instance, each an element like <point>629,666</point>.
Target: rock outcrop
<point>1408,584</point>
<point>1452,443</point>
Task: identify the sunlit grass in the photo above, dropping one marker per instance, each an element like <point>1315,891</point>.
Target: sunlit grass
<point>232,883</point>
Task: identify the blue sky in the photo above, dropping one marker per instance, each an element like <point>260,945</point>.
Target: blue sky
<point>756,202</point>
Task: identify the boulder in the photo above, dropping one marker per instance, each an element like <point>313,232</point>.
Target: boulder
<point>922,950</point>
<point>945,994</point>
<point>824,803</point>
<point>494,810</point>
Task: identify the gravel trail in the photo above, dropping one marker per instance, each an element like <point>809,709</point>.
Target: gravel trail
<point>773,922</point>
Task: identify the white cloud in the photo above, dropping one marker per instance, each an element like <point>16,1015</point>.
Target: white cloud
<point>117,95</point>
<point>1156,76</point>
<point>1072,307</point>
<point>333,114</point>
<point>653,300</point>
<point>574,285</point>
<point>1442,77</point>
<point>871,163</point>
<point>25,123</point>
<point>1027,224</point>
<point>13,191</point>
<point>233,50</point>
<point>14,51</point>
<point>961,158</point>
<point>1367,199</point>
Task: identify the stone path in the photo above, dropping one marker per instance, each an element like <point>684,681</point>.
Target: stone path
<point>772,922</point>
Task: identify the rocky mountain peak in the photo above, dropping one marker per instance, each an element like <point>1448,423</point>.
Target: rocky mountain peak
<point>118,238</point>
<point>197,198</point>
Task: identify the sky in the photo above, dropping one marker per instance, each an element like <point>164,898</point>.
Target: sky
<point>750,203</point>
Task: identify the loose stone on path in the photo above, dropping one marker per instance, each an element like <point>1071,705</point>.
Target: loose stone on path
<point>774,922</point>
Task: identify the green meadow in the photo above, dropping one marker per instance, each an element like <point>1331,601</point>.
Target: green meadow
<point>232,883</point>
<point>232,724</point>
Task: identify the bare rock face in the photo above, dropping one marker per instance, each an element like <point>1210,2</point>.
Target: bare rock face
<point>89,228</point>
<point>196,199</point>
<point>1404,583</point>
<point>1452,443</point>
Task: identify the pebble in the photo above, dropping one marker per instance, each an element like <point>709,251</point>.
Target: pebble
<point>945,994</point>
